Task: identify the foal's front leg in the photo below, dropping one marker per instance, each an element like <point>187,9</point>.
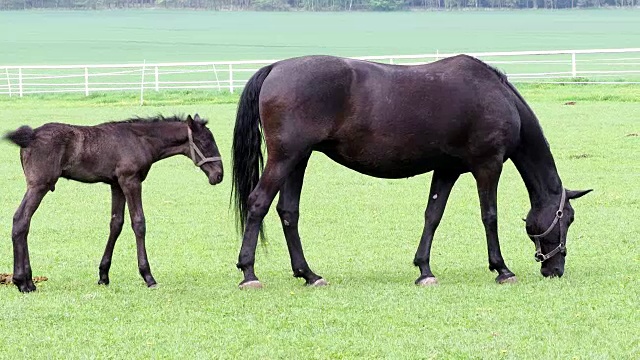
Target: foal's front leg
<point>487,176</point>
<point>22,276</point>
<point>115,227</point>
<point>132,189</point>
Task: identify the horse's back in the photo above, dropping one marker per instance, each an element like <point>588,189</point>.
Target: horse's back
<point>391,121</point>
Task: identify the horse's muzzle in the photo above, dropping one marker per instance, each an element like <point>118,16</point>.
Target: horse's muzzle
<point>552,272</point>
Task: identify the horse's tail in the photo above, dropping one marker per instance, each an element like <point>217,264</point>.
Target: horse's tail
<point>247,146</point>
<point>21,137</point>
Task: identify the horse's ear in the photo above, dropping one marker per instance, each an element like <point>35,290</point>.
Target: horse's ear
<point>574,194</point>
<point>196,118</point>
<point>189,121</point>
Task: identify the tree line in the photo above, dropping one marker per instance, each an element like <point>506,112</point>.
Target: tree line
<point>313,5</point>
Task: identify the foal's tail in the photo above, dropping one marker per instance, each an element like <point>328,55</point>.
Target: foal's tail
<point>21,137</point>
<point>247,152</point>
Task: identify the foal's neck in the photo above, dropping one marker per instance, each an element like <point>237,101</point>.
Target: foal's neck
<point>534,161</point>
<point>167,139</point>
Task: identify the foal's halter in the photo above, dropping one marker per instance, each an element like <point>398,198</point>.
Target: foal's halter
<point>194,149</point>
<point>561,248</point>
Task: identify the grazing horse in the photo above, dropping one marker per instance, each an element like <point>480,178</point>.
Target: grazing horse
<point>117,153</point>
<point>452,116</point>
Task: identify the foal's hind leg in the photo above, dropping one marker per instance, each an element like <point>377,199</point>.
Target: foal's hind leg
<point>259,202</point>
<point>132,189</point>
<point>22,275</point>
<point>288,209</point>
<point>117,220</point>
<point>487,175</point>
<point>441,184</point>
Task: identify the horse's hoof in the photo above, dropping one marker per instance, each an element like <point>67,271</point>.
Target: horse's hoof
<point>319,283</point>
<point>428,281</point>
<point>507,280</point>
<point>252,284</point>
<point>153,286</point>
<point>103,282</point>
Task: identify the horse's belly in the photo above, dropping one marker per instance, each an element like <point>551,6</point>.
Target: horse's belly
<point>390,165</point>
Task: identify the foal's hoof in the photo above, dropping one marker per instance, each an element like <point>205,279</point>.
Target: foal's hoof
<point>508,279</point>
<point>251,284</point>
<point>428,281</point>
<point>319,283</point>
<point>26,288</point>
<point>104,282</point>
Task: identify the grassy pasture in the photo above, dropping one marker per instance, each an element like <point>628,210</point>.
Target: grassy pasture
<point>98,37</point>
<point>360,233</point>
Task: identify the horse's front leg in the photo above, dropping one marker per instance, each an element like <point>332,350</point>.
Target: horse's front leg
<point>487,175</point>
<point>132,189</point>
<point>441,185</point>
<point>115,228</point>
<point>22,276</point>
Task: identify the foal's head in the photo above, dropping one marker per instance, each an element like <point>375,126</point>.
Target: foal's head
<point>203,149</point>
<point>547,227</point>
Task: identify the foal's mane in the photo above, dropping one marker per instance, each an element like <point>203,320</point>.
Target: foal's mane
<point>156,119</point>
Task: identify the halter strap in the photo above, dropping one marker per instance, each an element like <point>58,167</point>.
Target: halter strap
<point>540,257</point>
<point>194,149</point>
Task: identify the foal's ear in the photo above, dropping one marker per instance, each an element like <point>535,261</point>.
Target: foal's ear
<point>189,121</point>
<point>574,194</point>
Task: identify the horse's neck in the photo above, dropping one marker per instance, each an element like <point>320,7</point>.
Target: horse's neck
<point>166,139</point>
<point>535,163</point>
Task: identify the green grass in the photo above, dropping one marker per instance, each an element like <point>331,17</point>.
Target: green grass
<point>121,36</point>
<point>359,232</point>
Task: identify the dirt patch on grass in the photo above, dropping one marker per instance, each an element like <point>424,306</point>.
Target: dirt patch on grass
<point>632,134</point>
<point>580,156</point>
<point>5,279</point>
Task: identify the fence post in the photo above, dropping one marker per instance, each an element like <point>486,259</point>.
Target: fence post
<point>215,72</point>
<point>573,65</point>
<point>6,70</point>
<point>157,82</point>
<point>86,81</point>
<point>144,65</point>
<point>391,61</point>
<point>230,78</point>
<point>20,81</point>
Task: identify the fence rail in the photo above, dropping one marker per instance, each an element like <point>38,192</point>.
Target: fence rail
<point>601,66</point>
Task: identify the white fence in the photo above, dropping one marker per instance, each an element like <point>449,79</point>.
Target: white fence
<point>602,66</point>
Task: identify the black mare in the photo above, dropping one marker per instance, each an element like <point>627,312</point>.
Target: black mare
<point>117,153</point>
<point>452,116</point>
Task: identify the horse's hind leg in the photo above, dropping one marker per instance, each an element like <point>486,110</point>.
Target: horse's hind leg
<point>132,189</point>
<point>22,276</point>
<point>487,175</point>
<point>441,184</point>
<point>115,227</point>
<point>288,209</point>
<point>259,202</point>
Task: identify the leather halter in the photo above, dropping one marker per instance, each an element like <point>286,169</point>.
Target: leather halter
<point>561,248</point>
<point>194,149</point>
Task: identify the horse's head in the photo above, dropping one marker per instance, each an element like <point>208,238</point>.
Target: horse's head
<point>203,149</point>
<point>547,227</point>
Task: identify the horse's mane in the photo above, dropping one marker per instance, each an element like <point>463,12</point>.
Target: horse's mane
<point>156,119</point>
